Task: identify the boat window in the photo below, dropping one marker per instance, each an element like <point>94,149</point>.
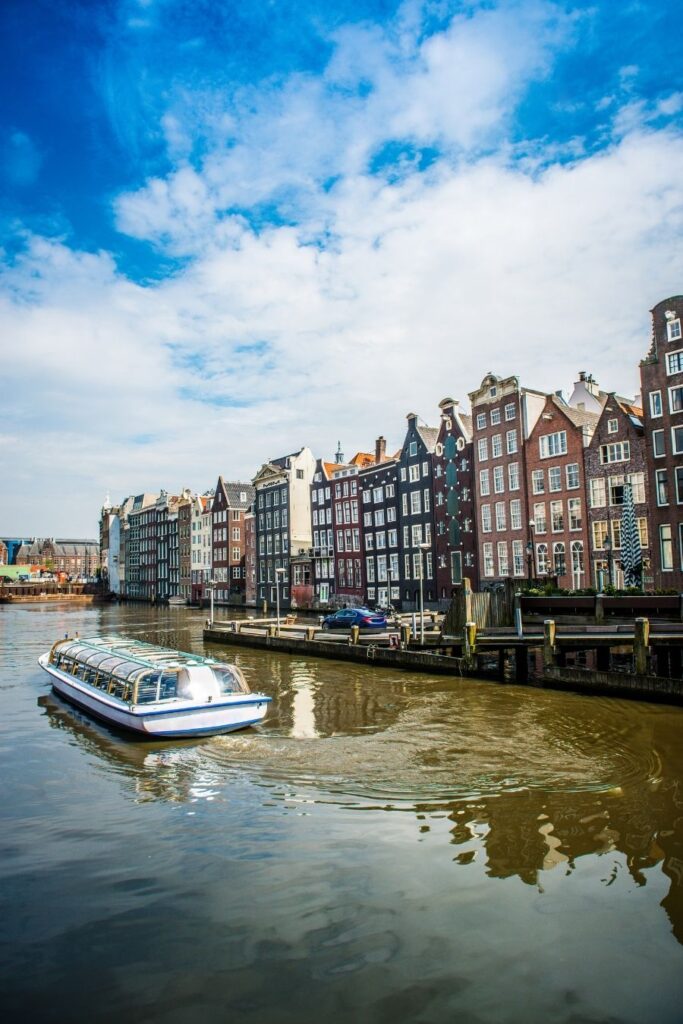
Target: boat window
<point>147,687</point>
<point>98,657</point>
<point>230,679</point>
<point>169,682</point>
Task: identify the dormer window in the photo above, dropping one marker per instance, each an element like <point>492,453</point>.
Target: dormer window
<point>612,426</point>
<point>673,330</point>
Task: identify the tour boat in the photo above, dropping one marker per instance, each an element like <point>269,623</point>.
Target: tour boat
<point>153,691</point>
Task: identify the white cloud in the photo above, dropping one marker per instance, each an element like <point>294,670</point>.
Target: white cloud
<point>382,296</point>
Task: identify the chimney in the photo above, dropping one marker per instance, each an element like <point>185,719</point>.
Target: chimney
<point>582,374</point>
<point>380,449</point>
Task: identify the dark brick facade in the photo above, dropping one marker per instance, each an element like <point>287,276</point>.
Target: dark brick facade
<point>454,502</point>
<point>616,454</point>
<point>661,376</point>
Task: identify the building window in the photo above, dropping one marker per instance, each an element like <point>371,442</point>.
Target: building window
<point>496,446</point>
<point>511,441</point>
<point>414,472</point>
<point>413,448</point>
<point>618,451</point>
<point>513,476</point>
<point>676,399</point>
<point>572,473</point>
<point>486,518</point>
<point>378,494</point>
<point>415,503</point>
<point>559,564</point>
<point>503,565</point>
<point>612,426</point>
<point>483,449</point>
<point>481,420</point>
<point>484,484</point>
<point>555,478</point>
<point>637,482</point>
<point>517,558</point>
<point>488,560</point>
<point>658,444</point>
<point>500,516</point>
<point>661,487</point>
<point>495,417</point>
<point>553,444</point>
<point>679,485</point>
<point>539,518</point>
<point>674,362</point>
<point>542,559</point>
<point>510,411</point>
<point>574,512</point>
<point>498,480</point>
<point>538,481</point>
<point>677,440</point>
<point>599,528</point>
<point>673,330</point>
<point>516,514</point>
<point>556,516</point>
<point>656,404</point>
<point>456,567</point>
<point>666,547</point>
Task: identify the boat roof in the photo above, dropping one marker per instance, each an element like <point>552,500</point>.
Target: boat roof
<point>138,651</point>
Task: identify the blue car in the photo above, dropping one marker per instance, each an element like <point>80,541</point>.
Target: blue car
<point>347,617</point>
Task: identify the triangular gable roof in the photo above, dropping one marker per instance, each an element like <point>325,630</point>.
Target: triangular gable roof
<point>429,435</point>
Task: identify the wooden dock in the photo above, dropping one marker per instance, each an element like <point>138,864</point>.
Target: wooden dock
<point>649,654</point>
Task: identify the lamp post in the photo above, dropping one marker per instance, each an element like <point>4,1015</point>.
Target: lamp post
<point>279,573</point>
<point>607,543</point>
<point>530,550</point>
<point>211,586</point>
<point>423,548</point>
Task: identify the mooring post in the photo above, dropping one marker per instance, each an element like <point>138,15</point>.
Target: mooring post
<point>548,642</point>
<point>470,636</point>
<point>641,649</point>
<point>405,636</point>
<point>467,599</point>
<point>310,632</point>
<point>355,633</point>
<point>521,664</point>
<point>599,609</point>
<point>271,630</point>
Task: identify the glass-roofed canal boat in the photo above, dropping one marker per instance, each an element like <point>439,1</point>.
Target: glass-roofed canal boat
<point>152,690</point>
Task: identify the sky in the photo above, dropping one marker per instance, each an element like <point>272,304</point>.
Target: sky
<point>228,230</point>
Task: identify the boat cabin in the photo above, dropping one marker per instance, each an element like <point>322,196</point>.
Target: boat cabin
<point>139,673</point>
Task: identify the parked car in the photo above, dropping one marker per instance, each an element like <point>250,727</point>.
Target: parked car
<point>347,617</point>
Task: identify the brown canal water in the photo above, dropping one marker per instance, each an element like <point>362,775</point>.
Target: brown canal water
<point>386,848</point>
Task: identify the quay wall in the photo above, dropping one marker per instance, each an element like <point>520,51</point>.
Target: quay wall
<point>369,654</point>
<point>618,684</point>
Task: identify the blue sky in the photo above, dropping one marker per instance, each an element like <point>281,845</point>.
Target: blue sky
<point>229,230</point>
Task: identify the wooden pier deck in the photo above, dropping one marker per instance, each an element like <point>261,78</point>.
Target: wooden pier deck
<point>535,655</point>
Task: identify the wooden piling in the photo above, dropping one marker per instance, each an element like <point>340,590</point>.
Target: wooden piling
<point>641,648</point>
<point>549,642</point>
<point>355,634</point>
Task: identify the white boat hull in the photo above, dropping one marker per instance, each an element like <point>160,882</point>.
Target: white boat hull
<point>173,719</point>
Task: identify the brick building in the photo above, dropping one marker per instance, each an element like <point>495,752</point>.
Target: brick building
<point>416,515</point>
<point>454,502</point>
<point>503,415</point>
<point>661,377</point>
<point>250,557</point>
<point>322,531</point>
<point>231,502</point>
<point>616,455</point>
<point>556,489</point>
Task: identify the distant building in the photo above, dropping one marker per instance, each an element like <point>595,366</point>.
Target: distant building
<point>556,485</point>
<point>283,530</point>
<point>503,415</point>
<point>616,455</point>
<point>250,558</point>
<point>661,376</point>
<point>231,502</point>
<point>4,560</point>
<point>416,535</point>
<point>454,502</point>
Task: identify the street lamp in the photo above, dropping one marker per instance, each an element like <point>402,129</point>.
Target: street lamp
<point>607,544</point>
<point>211,586</point>
<point>278,575</point>
<point>530,550</point>
<point>423,548</point>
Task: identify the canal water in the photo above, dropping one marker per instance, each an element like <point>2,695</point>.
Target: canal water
<point>385,848</point>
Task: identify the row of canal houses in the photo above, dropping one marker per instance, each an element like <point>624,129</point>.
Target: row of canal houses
<point>527,485</point>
